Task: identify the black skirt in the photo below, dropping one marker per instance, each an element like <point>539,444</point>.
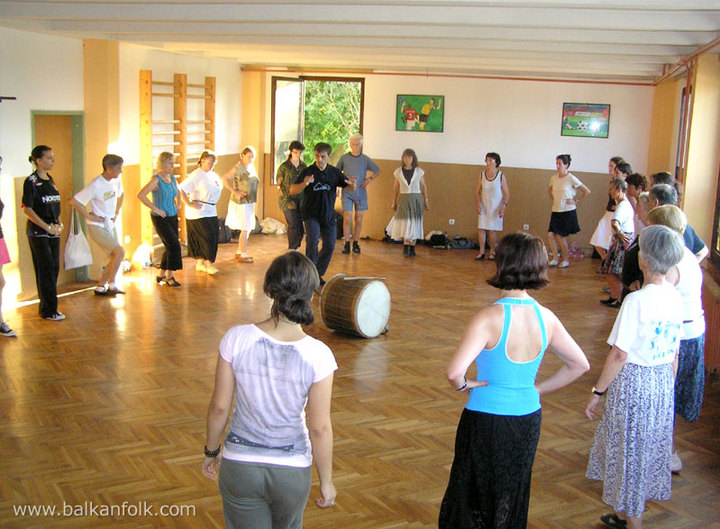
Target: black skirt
<point>490,477</point>
<point>203,238</point>
<point>564,223</point>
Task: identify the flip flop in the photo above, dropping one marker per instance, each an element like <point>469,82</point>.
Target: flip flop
<point>612,520</point>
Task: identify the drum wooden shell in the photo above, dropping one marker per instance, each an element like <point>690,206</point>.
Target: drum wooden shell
<point>355,305</point>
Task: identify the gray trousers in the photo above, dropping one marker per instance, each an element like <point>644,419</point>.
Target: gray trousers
<point>260,496</point>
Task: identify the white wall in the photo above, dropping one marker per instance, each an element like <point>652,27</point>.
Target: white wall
<point>164,66</point>
<point>44,73</point>
<point>518,119</point>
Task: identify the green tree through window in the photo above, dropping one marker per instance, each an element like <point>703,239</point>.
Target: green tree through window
<point>332,115</point>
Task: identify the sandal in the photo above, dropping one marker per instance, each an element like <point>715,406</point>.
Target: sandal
<point>480,257</point>
<point>612,520</point>
<point>491,257</point>
<point>172,282</point>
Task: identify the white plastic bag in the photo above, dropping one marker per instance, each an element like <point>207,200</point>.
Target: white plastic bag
<point>77,249</point>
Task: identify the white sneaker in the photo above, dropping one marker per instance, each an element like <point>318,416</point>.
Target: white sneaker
<point>5,330</point>
<point>675,463</point>
<point>200,267</point>
<point>553,263</point>
<point>212,270</point>
<point>564,264</point>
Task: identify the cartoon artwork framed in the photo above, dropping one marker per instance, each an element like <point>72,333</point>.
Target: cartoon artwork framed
<point>420,113</point>
<point>585,120</point>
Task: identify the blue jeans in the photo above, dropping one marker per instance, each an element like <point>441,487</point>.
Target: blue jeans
<point>314,230</point>
<point>294,228</point>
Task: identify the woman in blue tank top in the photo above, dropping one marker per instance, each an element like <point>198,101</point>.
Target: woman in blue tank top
<point>163,212</point>
<point>500,426</point>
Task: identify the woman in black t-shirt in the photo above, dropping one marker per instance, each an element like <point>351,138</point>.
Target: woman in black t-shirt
<point>41,205</point>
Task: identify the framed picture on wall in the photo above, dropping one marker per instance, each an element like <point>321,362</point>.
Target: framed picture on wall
<point>585,120</point>
<point>419,113</point>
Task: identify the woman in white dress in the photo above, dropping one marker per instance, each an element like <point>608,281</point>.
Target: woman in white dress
<point>492,195</point>
<point>242,181</point>
<point>409,202</point>
<point>602,236</point>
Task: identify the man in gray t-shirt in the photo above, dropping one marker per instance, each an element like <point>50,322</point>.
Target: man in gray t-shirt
<point>356,164</point>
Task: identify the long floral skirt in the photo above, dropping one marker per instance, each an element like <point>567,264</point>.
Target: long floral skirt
<point>632,447</point>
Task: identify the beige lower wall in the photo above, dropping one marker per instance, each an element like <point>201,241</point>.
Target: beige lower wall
<point>451,190</point>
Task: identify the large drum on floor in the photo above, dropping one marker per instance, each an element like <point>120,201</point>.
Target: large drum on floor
<point>355,305</point>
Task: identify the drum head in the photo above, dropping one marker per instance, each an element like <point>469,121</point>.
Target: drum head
<point>372,309</point>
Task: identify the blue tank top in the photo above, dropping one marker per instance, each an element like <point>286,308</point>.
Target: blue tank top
<point>164,196</point>
<point>511,385</point>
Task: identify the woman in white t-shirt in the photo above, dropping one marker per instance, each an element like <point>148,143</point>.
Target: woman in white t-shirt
<point>273,369</point>
<point>563,220</point>
<point>631,450</point>
<point>622,225</point>
<point>201,192</point>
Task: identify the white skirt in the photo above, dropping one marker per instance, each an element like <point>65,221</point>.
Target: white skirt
<point>602,236</point>
<point>240,216</point>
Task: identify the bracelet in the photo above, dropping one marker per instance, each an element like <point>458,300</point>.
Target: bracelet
<point>597,392</point>
<point>212,453</point>
<point>463,386</point>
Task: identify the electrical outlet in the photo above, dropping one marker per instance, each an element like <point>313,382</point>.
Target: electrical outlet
<point>526,227</point>
<point>452,222</point>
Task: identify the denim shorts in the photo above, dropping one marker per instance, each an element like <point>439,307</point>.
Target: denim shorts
<point>357,198</point>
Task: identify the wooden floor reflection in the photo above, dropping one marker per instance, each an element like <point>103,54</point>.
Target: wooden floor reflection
<point>108,407</point>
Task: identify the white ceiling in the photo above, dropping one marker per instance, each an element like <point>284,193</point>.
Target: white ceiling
<point>613,40</point>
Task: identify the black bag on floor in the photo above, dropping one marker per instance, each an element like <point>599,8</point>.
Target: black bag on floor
<point>225,234</point>
<point>462,243</point>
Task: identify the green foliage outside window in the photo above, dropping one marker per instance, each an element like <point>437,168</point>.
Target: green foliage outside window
<point>332,115</point>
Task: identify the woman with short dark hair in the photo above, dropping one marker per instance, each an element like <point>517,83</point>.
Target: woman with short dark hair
<point>500,426</point>
<point>273,369</point>
<point>491,195</point>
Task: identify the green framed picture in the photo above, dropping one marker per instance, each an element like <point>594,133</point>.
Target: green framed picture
<point>585,120</point>
<point>419,113</point>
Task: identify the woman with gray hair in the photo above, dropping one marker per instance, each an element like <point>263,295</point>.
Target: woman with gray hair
<point>633,441</point>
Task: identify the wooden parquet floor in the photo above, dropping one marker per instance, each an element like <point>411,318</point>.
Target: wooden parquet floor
<point>107,408</point>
